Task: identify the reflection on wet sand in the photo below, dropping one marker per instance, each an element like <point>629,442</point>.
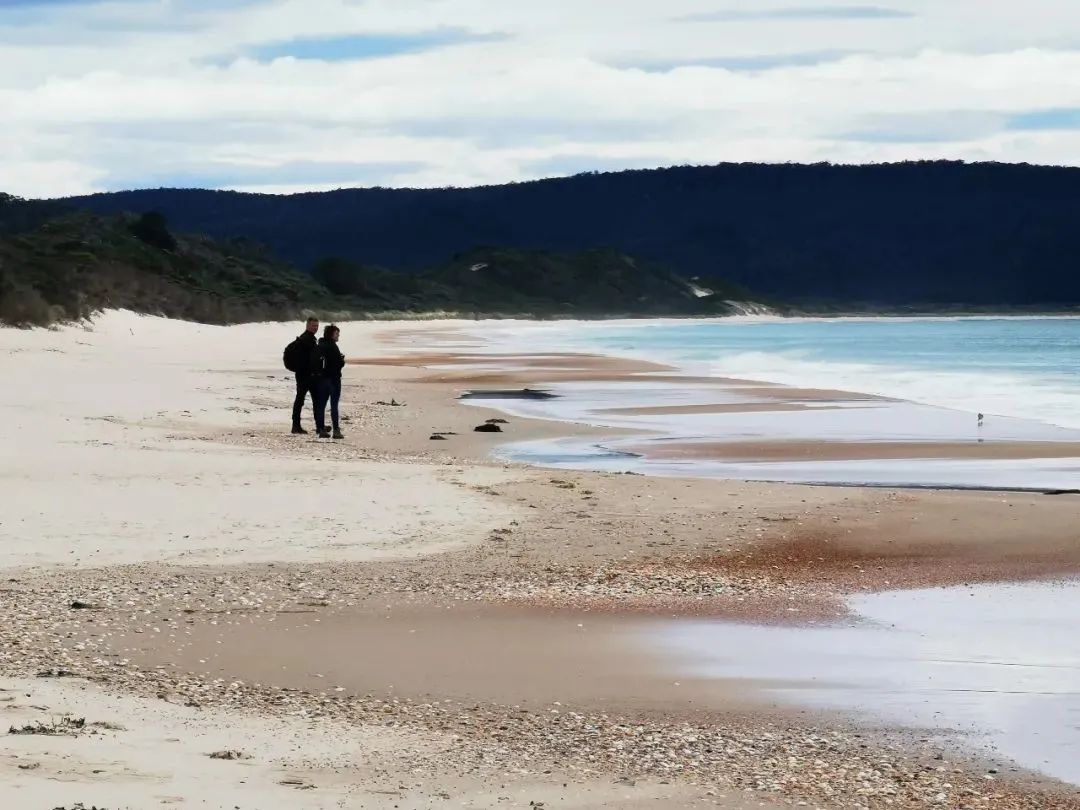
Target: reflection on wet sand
<point>1001,662</point>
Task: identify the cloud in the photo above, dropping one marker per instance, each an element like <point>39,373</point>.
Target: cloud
<point>325,93</point>
<point>800,13</point>
<point>226,175</point>
<point>949,126</point>
<point>564,165</point>
<point>759,62</point>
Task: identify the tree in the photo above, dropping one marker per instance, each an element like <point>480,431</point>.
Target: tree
<point>153,229</point>
<point>339,276</point>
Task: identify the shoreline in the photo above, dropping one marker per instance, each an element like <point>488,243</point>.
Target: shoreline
<point>743,428</point>
<point>759,350</point>
<point>525,539</point>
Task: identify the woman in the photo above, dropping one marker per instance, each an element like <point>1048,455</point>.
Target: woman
<point>333,363</point>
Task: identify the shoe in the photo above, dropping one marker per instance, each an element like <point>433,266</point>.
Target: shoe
<point>338,434</point>
<point>298,431</point>
<point>323,434</point>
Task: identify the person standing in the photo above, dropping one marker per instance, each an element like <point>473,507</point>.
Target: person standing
<point>304,359</point>
<point>333,361</point>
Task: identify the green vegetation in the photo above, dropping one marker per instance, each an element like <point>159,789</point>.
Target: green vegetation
<point>18,215</point>
<point>74,264</point>
<point>511,282</point>
<point>77,264</point>
<point>591,283</point>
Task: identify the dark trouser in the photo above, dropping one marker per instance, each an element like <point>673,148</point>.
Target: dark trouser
<point>304,386</point>
<point>335,398</point>
<point>327,390</point>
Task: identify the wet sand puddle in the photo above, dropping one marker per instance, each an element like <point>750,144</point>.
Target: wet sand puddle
<point>998,662</point>
<point>751,431</point>
<point>468,653</point>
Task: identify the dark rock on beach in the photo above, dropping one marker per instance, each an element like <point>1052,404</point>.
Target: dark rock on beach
<point>523,393</point>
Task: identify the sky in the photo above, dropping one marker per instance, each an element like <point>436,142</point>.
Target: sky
<point>295,95</point>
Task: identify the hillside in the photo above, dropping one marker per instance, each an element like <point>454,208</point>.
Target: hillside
<point>76,263</point>
<point>502,281</point>
<point>900,234</point>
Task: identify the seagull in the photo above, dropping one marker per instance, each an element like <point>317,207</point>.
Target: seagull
<point>981,417</point>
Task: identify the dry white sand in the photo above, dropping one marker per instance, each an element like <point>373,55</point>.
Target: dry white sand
<point>90,477</point>
<point>157,753</point>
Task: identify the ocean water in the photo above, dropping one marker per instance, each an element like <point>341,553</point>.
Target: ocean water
<point>1020,367</point>
<point>1022,373</point>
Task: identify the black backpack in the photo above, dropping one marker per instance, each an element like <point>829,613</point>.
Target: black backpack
<point>293,356</point>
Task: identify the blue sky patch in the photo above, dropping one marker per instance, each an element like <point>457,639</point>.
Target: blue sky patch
<point>16,4</point>
<point>28,12</point>
<point>366,46</point>
<point>1062,118</point>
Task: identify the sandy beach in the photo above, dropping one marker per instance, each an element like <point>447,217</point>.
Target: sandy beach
<point>198,609</point>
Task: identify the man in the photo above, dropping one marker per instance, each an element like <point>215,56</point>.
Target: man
<point>330,384</point>
<point>308,372</point>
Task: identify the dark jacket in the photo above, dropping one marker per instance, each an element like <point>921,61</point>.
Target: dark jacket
<point>311,364</point>
<point>333,361</point>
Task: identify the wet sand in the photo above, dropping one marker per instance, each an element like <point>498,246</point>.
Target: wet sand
<point>851,451</point>
<point>556,361</point>
<point>488,653</point>
<point>748,407</point>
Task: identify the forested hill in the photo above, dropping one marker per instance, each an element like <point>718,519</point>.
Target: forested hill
<point>907,233</point>
<point>57,265</point>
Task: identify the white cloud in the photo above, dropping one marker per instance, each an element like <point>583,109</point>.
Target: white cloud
<point>130,93</point>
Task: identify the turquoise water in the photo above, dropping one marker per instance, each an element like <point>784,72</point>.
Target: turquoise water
<point>1023,367</point>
